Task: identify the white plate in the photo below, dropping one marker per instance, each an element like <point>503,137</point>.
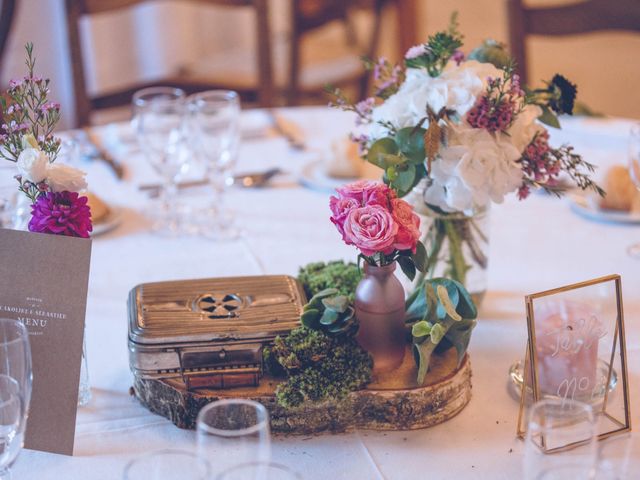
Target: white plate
<point>586,205</point>
<point>108,223</point>
<point>314,176</point>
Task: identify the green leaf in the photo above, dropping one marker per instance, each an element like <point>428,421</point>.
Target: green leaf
<point>339,303</point>
<point>405,180</point>
<point>420,257</point>
<point>384,146</point>
<point>310,318</point>
<point>437,332</point>
<point>329,317</point>
<point>460,335</point>
<point>410,140</point>
<point>422,353</point>
<point>407,266</point>
<point>446,302</point>
<point>548,117</point>
<point>466,307</point>
<point>421,329</point>
<point>391,174</point>
<point>416,305</point>
<point>316,300</point>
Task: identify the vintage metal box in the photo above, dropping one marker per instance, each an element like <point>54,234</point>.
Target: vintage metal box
<point>210,332</point>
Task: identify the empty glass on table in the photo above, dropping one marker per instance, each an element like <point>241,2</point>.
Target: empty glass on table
<point>214,129</point>
<point>159,123</point>
<point>15,391</point>
<point>554,424</point>
<point>259,471</point>
<point>634,172</point>
<point>233,432</point>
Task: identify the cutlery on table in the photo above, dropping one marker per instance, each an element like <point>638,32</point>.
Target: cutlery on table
<point>247,180</point>
<point>101,154</point>
<point>291,131</point>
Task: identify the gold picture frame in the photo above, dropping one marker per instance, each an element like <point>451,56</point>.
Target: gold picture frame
<point>566,327</point>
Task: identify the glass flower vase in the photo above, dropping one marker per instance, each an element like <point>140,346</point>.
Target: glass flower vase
<point>457,246</point>
<point>379,306</point>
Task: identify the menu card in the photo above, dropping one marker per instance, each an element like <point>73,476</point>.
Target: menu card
<point>43,283</point>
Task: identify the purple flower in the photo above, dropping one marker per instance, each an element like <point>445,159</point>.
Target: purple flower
<point>50,106</point>
<point>13,83</point>
<point>61,213</point>
<point>364,109</point>
<point>458,57</point>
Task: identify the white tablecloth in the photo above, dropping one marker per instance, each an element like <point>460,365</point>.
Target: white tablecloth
<point>535,245</point>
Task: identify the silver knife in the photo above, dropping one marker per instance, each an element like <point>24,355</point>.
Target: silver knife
<point>288,129</point>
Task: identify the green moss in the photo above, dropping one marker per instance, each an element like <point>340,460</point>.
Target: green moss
<point>319,276</point>
<point>317,366</point>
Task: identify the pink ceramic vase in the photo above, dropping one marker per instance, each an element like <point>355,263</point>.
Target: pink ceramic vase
<point>379,305</point>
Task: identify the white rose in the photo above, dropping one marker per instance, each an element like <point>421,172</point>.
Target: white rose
<point>62,178</point>
<point>33,164</point>
<point>525,127</point>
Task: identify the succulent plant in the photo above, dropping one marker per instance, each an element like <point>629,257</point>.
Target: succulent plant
<point>330,312</point>
<point>319,276</point>
<point>491,51</point>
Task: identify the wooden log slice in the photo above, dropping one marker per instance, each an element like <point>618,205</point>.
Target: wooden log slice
<point>392,402</point>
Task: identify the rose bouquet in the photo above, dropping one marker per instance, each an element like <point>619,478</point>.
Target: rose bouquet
<point>383,227</point>
<point>454,134</point>
<point>28,121</point>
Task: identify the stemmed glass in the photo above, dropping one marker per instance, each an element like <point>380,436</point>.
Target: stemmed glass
<point>634,172</point>
<point>159,123</point>
<point>15,391</point>
<point>555,423</point>
<point>259,471</point>
<point>232,432</point>
<point>215,131</point>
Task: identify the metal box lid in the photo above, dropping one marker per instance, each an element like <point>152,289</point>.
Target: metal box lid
<point>217,310</point>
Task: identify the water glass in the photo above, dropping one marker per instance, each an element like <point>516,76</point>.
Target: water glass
<point>15,391</point>
<point>233,432</point>
<point>168,465</point>
<point>634,172</point>
<point>259,471</point>
<point>214,129</point>
<point>159,123</point>
<point>555,423</point>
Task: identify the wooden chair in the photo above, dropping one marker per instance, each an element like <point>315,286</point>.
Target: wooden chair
<point>588,16</point>
<point>261,94</point>
<point>309,16</point>
<point>7,11</point>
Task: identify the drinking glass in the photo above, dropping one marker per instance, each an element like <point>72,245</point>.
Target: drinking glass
<point>168,465</point>
<point>554,423</point>
<point>259,471</point>
<point>159,123</point>
<point>232,432</point>
<point>634,172</point>
<point>15,391</point>
<point>214,127</point>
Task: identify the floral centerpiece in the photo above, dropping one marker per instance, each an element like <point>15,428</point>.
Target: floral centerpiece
<point>455,133</point>
<point>28,121</point>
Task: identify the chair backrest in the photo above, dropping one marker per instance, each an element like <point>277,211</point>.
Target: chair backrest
<point>85,104</point>
<point>583,17</point>
<point>6,20</point>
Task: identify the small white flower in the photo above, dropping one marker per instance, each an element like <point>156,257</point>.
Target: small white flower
<point>525,127</point>
<point>415,51</point>
<point>62,178</point>
<point>33,164</point>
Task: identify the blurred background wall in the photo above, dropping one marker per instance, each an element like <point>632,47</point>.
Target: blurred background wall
<point>162,36</point>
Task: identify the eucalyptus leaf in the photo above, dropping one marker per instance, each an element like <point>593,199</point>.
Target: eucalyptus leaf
<point>329,317</point>
<point>384,146</point>
<point>410,140</point>
<point>339,303</point>
<point>407,266</point>
<point>548,117</point>
<point>421,329</point>
<point>405,179</point>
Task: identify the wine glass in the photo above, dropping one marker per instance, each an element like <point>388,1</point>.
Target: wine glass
<point>634,172</point>
<point>553,424</point>
<point>168,465</point>
<point>259,471</point>
<point>214,126</point>
<point>15,391</point>
<point>232,432</point>
<point>159,123</point>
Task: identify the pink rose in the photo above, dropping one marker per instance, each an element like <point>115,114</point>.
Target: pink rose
<point>408,225</point>
<point>340,207</point>
<point>371,229</point>
<point>367,192</point>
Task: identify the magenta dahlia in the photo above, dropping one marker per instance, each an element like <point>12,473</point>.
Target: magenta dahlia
<point>61,213</point>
